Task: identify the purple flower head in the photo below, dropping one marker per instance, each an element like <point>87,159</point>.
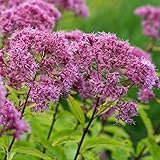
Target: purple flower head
<point>42,61</point>
<point>10,120</point>
<point>127,111</point>
<point>145,95</point>
<point>105,65</point>
<point>10,3</point>
<point>37,14</point>
<point>75,35</point>
<point>77,6</point>
<point>150,20</point>
<point>140,53</point>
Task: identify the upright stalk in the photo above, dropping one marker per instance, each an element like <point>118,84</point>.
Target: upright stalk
<point>86,129</point>
<point>52,124</point>
<point>22,114</point>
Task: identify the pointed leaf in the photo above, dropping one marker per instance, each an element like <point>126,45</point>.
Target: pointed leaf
<point>147,122</point>
<point>76,109</point>
<point>32,152</point>
<point>154,149</point>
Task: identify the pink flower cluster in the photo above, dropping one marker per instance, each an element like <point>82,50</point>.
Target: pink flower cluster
<point>77,6</point>
<point>106,64</point>
<point>36,14</point>
<point>10,117</point>
<point>42,61</point>
<point>150,20</point>
<point>34,57</point>
<point>52,64</point>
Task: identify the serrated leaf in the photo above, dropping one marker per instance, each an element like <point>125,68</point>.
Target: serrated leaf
<point>154,149</point>
<point>76,109</point>
<point>147,122</point>
<point>32,152</point>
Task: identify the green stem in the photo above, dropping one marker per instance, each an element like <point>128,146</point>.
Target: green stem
<point>86,130</point>
<point>52,125</point>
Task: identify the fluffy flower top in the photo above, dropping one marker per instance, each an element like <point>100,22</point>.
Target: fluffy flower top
<point>10,120</point>
<point>10,3</point>
<point>36,14</point>
<point>43,61</point>
<point>108,54</point>
<point>141,53</point>
<point>109,66</point>
<point>145,95</point>
<point>150,20</point>
<point>127,110</point>
<point>78,6</point>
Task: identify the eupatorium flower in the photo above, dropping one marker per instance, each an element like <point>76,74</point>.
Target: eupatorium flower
<point>42,61</point>
<point>109,67</point>
<point>78,6</point>
<point>92,64</point>
<point>108,55</point>
<point>145,95</point>
<point>10,120</point>
<point>36,14</point>
<point>150,20</point>
<point>141,53</point>
<point>127,110</point>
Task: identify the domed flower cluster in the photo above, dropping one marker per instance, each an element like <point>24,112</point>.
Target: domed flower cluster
<point>77,6</point>
<point>109,67</point>
<point>34,57</point>
<point>150,20</point>
<point>141,53</point>
<point>53,64</point>
<point>10,120</point>
<point>42,61</point>
<point>36,14</point>
<point>10,117</point>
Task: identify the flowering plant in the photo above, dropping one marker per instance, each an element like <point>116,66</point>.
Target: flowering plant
<point>48,73</point>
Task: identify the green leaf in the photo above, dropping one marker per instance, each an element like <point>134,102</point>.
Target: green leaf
<point>32,152</point>
<point>64,140</point>
<point>154,149</point>
<point>76,109</point>
<point>11,155</point>
<point>141,146</point>
<point>58,152</point>
<point>65,136</point>
<point>147,122</point>
<point>120,154</point>
<point>116,130</point>
<point>70,150</point>
<point>53,151</point>
<point>17,91</point>
<point>14,98</point>
<point>93,142</point>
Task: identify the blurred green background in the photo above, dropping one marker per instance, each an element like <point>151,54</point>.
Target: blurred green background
<point>117,16</point>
